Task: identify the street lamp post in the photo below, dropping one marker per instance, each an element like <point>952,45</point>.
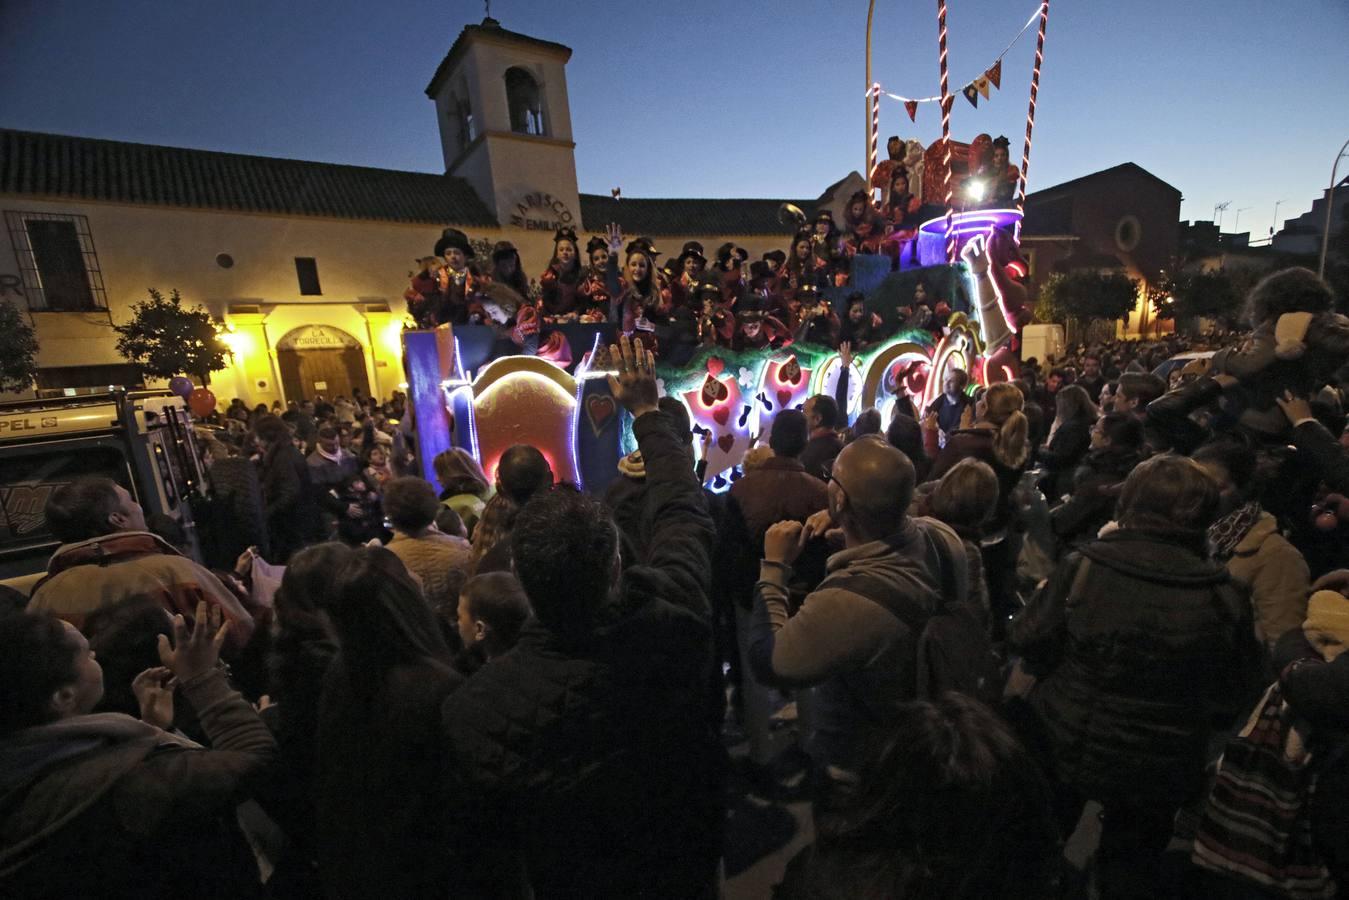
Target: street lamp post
<point>1330,205</point>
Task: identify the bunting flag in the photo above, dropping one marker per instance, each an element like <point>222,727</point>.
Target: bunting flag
<point>981,83</point>
<point>993,73</point>
<point>971,94</point>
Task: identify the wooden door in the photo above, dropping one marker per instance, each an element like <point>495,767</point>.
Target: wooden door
<point>332,373</point>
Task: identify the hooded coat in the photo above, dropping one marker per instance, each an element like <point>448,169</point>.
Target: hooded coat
<point>106,806</point>
<point>1133,656</point>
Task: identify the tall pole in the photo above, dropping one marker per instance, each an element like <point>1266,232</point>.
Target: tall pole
<point>1030,114</point>
<point>870,96</point>
<point>946,127</point>
<point>1330,205</point>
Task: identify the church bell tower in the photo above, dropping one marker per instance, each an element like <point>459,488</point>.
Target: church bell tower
<point>505,125</point>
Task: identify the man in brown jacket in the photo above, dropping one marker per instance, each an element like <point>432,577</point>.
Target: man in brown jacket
<point>779,489</point>
<point>107,556</point>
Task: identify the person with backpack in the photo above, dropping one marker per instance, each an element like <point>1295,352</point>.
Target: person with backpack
<point>1137,643</point>
<point>856,637</point>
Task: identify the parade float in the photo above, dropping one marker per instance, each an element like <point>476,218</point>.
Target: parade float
<point>471,387</point>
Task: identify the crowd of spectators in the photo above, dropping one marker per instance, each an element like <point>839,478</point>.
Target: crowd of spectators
<point>1059,596</point>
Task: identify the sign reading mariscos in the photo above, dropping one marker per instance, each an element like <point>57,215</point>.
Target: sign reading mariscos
<point>541,212</point>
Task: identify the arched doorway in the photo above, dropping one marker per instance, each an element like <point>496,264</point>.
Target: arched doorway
<point>320,359</point>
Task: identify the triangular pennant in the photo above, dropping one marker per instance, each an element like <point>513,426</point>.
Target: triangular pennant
<point>982,84</point>
<point>911,107</point>
<point>995,74</point>
<point>971,94</point>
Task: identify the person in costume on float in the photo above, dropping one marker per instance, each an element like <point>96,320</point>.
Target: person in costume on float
<point>505,290</point>
<point>801,264</point>
<point>818,323</point>
<point>865,231</point>
<point>1004,175</point>
<point>716,321</point>
<point>442,294</point>
<point>776,261</point>
<point>757,330</point>
<point>562,279</point>
<point>765,284</point>
<point>638,303</point>
<point>594,297</point>
<point>830,263</point>
<point>860,328</point>
<point>894,158</point>
<point>730,259</point>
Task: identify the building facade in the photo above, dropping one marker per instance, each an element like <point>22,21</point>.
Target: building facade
<point>304,264</point>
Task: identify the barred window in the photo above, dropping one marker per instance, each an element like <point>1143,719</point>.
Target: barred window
<point>57,262</point>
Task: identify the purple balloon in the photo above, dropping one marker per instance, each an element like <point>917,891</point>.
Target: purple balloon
<point>181,385</point>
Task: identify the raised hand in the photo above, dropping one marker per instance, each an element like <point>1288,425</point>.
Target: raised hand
<point>635,386</point>
<point>154,692</point>
<point>975,254</point>
<point>191,654</point>
<point>783,542</point>
<point>1295,408</point>
<point>615,234</point>
<point>845,353</point>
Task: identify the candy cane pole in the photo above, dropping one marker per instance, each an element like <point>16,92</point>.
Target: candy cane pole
<point>1030,114</point>
<point>946,127</point>
<point>875,131</point>
<point>870,97</point>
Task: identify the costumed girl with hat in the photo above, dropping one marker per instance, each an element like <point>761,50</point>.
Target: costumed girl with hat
<point>730,258</point>
<point>817,322</point>
<point>639,305</point>
<point>505,290</point>
<point>690,265</point>
<point>561,280</point>
<point>900,212</point>
<point>757,330</point>
<point>865,231</point>
<point>594,290</point>
<point>444,290</point>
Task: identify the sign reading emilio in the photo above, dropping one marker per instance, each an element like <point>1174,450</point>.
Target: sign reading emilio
<point>541,212</point>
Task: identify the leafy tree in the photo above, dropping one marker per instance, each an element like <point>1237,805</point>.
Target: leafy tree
<point>1191,295</point>
<point>18,351</point>
<point>166,339</point>
<point>1087,295</point>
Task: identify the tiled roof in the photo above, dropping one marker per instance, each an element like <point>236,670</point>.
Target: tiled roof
<point>728,217</point>
<point>491,29</point>
<point>53,165</point>
<point>1127,168</point>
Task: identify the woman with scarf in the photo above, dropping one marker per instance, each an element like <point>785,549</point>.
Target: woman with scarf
<point>638,303</point>
<point>1246,539</point>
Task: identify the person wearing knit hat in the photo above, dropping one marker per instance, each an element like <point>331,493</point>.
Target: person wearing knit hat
<point>1327,624</point>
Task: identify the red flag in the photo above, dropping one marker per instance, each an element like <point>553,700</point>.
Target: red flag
<point>995,74</point>
<point>911,107</point>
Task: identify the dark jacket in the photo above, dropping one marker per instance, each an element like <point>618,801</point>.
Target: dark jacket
<point>107,806</point>
<point>1132,662</point>
<point>381,828</point>
<point>977,443</point>
<point>589,760</point>
<point>1326,455</point>
<point>1096,488</point>
<point>1060,458</point>
<point>820,453</point>
<point>292,515</point>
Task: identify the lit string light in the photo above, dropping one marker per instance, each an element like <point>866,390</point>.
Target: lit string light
<point>1030,114</point>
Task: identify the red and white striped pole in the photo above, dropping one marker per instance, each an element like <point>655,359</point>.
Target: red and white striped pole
<point>946,127</point>
<point>872,156</point>
<point>1030,115</point>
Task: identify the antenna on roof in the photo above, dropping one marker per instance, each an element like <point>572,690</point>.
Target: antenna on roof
<point>1218,210</point>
